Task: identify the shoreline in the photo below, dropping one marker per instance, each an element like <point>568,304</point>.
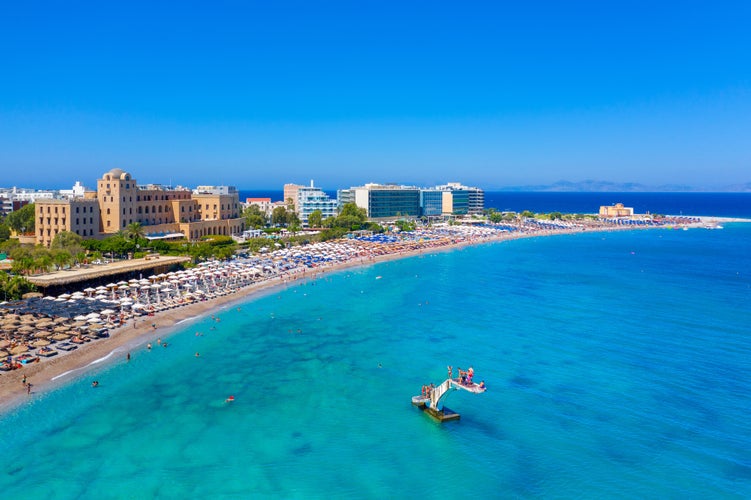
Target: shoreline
<point>52,373</point>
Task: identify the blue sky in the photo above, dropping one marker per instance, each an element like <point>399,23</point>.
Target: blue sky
<point>256,94</point>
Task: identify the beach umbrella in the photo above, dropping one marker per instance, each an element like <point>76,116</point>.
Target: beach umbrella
<point>41,343</point>
<point>26,329</point>
<point>61,328</point>
<point>60,336</point>
<point>19,349</point>
<point>41,335</point>
<point>4,344</point>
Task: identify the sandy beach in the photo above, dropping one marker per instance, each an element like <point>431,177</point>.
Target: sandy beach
<point>50,373</point>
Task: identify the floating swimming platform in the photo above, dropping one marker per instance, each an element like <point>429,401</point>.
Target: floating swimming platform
<point>431,402</point>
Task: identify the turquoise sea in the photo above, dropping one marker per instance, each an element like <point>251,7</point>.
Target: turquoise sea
<point>617,366</point>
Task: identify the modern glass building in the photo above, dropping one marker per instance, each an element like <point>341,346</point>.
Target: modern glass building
<point>384,201</point>
<point>462,200</point>
<point>310,199</point>
<point>431,202</point>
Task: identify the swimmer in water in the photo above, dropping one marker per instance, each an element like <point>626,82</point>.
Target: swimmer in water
<point>229,399</point>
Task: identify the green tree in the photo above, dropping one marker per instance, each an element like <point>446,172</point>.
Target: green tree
<point>70,242</point>
<point>42,259</point>
<point>22,221</point>
<point>495,217</point>
<point>254,217</point>
<point>315,219</point>
<point>527,214</point>
<point>4,231</point>
<point>134,231</point>
<point>279,216</point>
<point>61,258</point>
<point>352,210</point>
<point>13,287</point>
<point>117,244</point>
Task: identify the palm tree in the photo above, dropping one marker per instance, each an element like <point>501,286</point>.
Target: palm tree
<point>134,231</point>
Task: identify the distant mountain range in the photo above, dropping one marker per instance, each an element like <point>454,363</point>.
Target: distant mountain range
<point>624,187</point>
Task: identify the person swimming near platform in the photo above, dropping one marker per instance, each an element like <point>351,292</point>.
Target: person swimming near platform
<point>482,385</point>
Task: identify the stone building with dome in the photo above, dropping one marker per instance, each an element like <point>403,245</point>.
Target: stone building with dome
<point>119,201</point>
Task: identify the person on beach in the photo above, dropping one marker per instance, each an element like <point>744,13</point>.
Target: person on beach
<point>28,388</point>
<point>24,379</point>
<point>148,346</point>
<point>127,358</point>
<point>159,341</point>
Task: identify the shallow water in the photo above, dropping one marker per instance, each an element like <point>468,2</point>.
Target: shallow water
<point>617,366</point>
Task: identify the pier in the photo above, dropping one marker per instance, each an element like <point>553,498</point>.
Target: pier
<point>431,402</point>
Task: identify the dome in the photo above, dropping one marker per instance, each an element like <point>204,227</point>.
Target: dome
<point>117,173</point>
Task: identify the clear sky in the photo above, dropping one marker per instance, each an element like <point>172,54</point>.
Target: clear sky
<point>259,93</point>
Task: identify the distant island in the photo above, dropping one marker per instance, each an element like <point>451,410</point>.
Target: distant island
<point>623,187</point>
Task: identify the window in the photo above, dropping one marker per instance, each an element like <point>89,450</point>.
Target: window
<point>77,209</point>
<point>108,211</point>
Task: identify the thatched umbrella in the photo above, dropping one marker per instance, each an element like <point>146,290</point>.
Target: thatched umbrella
<point>42,335</point>
<point>60,336</point>
<point>61,328</point>
<point>41,343</point>
<point>26,329</point>
<point>19,349</point>
<point>4,344</point>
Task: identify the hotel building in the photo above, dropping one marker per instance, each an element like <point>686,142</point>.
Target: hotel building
<point>383,201</point>
<point>162,212</point>
<point>388,201</point>
<point>617,210</point>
